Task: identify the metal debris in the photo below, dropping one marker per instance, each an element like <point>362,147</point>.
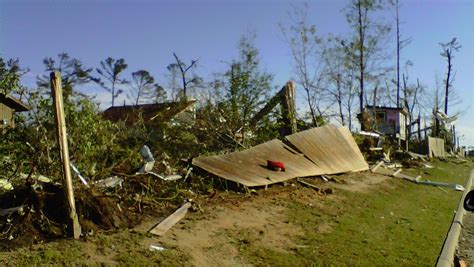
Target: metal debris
<point>83,180</point>
<point>109,182</point>
<point>156,247</point>
<point>149,160</point>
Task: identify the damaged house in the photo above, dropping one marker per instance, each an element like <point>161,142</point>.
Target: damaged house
<point>390,121</point>
<point>8,107</point>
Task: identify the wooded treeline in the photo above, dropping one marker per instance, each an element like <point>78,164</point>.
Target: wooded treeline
<point>338,76</point>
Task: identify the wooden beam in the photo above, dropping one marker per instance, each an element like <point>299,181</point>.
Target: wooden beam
<point>56,89</point>
<point>171,220</point>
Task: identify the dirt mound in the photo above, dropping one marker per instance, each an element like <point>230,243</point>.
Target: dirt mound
<point>34,214</point>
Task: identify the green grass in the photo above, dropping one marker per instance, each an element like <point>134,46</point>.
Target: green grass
<point>124,248</point>
<point>398,224</point>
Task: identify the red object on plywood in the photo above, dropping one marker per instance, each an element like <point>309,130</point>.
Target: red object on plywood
<point>275,165</point>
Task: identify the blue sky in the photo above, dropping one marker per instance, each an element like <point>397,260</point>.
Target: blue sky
<point>146,33</point>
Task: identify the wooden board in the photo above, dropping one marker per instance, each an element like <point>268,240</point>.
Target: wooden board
<point>248,167</point>
<point>171,220</point>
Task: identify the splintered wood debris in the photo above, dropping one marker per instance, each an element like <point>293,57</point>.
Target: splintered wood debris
<point>171,220</point>
<point>322,150</point>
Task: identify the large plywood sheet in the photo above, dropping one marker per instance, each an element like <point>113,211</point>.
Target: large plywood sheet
<point>330,148</point>
<point>248,167</point>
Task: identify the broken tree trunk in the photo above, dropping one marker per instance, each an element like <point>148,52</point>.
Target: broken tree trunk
<point>56,88</point>
<point>286,98</point>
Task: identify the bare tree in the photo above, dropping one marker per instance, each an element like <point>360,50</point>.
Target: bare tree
<point>448,49</point>
<point>304,45</point>
<point>183,71</point>
<point>411,101</point>
<point>111,70</point>
<point>339,79</point>
<point>366,47</point>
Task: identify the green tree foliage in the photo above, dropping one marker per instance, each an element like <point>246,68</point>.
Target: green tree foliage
<point>243,88</point>
<point>111,70</point>
<point>10,73</point>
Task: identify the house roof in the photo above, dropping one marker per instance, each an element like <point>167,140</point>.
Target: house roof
<point>131,113</point>
<point>13,103</point>
<point>402,110</point>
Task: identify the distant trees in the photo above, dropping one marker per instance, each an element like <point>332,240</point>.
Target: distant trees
<point>111,71</point>
<point>73,73</point>
<point>242,89</point>
<point>183,70</point>
<point>144,89</point>
<point>339,82</point>
<point>305,51</point>
<point>365,46</point>
<point>10,73</point>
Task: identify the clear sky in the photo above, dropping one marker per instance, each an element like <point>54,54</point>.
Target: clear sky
<point>146,33</point>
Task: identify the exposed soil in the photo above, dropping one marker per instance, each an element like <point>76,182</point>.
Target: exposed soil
<point>209,236</point>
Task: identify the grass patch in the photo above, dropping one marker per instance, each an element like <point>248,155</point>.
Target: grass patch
<point>397,223</point>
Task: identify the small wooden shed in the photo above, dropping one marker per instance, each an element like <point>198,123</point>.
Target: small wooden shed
<point>389,120</point>
<point>8,106</point>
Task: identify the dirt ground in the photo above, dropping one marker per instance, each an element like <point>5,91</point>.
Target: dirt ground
<point>211,237</point>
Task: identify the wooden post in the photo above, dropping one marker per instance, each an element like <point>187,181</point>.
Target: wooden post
<point>74,227</point>
<point>288,109</point>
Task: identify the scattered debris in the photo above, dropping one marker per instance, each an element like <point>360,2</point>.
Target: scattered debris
<point>156,247</point>
<point>171,220</point>
<point>172,177</point>
<point>109,182</point>
<point>376,166</point>
<point>83,180</point>
<point>428,166</point>
<point>188,172</point>
<point>149,160</point>
<point>456,187</point>
<point>398,173</point>
<point>325,179</point>
<point>417,156</point>
<point>369,134</point>
<point>309,185</point>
